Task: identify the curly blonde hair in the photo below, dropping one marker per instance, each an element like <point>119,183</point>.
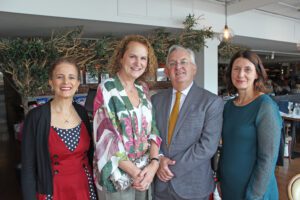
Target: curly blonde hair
<point>114,64</point>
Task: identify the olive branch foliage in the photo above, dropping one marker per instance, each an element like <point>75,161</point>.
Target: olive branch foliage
<point>26,60</point>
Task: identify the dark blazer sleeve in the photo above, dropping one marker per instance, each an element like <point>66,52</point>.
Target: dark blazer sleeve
<point>28,172</point>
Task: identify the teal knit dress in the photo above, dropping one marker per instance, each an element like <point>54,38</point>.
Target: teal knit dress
<point>251,136</point>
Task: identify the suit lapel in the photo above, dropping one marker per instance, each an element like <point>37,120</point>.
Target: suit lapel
<point>185,109</point>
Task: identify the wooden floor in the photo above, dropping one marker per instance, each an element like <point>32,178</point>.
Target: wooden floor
<point>285,173</point>
<point>10,157</point>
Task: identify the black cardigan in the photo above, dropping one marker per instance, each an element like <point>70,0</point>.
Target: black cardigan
<point>36,175</point>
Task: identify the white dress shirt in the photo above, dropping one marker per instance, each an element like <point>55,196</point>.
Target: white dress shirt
<point>184,93</point>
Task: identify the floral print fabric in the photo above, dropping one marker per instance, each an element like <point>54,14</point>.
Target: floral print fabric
<point>116,133</point>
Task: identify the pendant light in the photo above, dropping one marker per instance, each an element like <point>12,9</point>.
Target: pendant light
<point>226,34</point>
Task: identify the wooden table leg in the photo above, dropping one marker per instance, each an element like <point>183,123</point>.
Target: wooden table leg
<point>293,139</point>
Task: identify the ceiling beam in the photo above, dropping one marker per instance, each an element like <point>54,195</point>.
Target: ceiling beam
<point>241,6</point>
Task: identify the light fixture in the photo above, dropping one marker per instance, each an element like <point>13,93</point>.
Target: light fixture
<point>226,34</point>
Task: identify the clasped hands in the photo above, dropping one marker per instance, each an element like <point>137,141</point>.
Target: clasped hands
<point>143,178</point>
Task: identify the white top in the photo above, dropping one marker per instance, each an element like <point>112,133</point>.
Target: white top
<point>138,111</point>
<point>184,93</point>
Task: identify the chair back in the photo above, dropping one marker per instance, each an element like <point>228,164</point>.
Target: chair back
<point>294,188</point>
<point>283,106</point>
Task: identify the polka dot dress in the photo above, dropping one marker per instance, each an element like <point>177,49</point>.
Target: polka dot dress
<point>71,138</point>
<point>49,197</point>
<point>90,179</point>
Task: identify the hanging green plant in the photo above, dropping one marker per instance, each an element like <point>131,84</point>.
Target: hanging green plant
<point>189,37</point>
<point>226,50</point>
<point>193,38</point>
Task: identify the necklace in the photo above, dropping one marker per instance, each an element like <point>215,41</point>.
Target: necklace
<point>66,118</point>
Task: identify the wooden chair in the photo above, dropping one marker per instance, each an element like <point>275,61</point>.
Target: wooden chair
<point>294,188</point>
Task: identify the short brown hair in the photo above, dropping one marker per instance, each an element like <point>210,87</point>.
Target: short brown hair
<point>114,64</point>
<point>58,61</point>
<point>260,84</point>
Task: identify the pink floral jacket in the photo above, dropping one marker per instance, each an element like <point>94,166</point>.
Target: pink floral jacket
<point>116,134</point>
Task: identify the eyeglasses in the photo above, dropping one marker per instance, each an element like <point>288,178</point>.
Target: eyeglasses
<point>183,63</point>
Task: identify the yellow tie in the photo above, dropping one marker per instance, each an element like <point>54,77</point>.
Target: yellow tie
<point>173,116</point>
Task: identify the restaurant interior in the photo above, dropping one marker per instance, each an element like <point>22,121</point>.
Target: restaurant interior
<point>271,28</point>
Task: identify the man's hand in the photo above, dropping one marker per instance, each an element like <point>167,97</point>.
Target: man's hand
<point>164,173</point>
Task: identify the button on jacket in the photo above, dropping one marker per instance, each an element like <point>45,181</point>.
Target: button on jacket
<point>36,168</point>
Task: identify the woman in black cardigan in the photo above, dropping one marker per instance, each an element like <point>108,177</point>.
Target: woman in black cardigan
<point>57,146</point>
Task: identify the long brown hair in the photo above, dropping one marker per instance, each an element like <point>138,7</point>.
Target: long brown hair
<point>260,84</point>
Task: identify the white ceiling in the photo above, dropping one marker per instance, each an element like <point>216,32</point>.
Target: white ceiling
<point>287,8</point>
<point>22,25</point>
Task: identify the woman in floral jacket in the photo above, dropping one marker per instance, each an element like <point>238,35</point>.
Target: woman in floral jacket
<point>126,138</point>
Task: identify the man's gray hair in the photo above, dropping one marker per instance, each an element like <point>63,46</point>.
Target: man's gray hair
<point>179,47</point>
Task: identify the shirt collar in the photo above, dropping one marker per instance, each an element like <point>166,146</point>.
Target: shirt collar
<point>185,91</point>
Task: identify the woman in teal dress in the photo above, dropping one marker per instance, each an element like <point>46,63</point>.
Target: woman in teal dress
<point>251,133</point>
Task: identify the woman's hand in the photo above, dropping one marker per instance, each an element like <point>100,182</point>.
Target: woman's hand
<point>146,175</point>
<point>136,179</point>
<point>132,170</point>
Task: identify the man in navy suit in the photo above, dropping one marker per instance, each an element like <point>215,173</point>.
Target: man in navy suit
<point>185,167</point>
